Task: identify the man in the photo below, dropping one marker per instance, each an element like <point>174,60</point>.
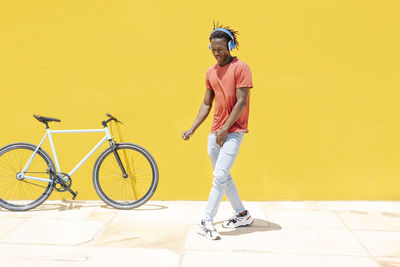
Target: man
<point>228,82</point>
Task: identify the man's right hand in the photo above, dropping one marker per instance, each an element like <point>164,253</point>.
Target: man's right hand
<point>187,134</point>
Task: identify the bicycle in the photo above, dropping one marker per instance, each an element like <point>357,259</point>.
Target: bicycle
<point>125,175</point>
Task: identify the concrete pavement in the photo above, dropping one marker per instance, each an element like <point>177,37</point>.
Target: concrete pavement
<point>162,233</point>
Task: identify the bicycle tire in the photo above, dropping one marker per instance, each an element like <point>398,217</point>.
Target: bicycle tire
<point>129,185</point>
<point>15,194</point>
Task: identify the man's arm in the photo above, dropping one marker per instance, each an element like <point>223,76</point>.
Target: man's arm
<point>241,102</point>
<point>202,115</point>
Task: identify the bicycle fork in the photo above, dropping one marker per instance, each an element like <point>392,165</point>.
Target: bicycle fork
<point>114,145</point>
<point>117,157</point>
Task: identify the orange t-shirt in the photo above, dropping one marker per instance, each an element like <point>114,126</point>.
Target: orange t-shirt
<point>224,81</point>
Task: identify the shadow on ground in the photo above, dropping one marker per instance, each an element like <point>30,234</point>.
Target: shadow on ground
<point>77,205</point>
<point>257,226</point>
<point>141,208</point>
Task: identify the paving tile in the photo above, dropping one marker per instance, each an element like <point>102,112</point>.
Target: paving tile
<point>3,213</point>
<point>68,205</point>
<point>132,235</point>
<point>9,224</point>
<point>289,233</point>
<point>181,212</point>
<point>295,218</point>
<point>276,240</point>
<point>377,206</point>
<point>101,216</point>
<point>389,262</point>
<point>22,255</point>
<point>164,213</point>
<point>380,243</point>
<point>22,214</point>
<point>284,204</point>
<point>79,214</point>
<point>239,259</point>
<point>364,220</point>
<point>56,232</point>
<point>48,205</point>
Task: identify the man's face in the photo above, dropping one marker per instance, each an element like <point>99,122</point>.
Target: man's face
<point>219,48</point>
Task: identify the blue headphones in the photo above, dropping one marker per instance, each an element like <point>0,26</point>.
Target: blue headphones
<point>231,44</point>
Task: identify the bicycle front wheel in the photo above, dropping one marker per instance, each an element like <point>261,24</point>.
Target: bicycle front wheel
<point>17,193</point>
<point>125,192</point>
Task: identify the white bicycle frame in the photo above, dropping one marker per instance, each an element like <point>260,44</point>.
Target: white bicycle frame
<point>48,134</point>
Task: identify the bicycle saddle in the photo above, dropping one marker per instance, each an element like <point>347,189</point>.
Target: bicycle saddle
<point>45,119</point>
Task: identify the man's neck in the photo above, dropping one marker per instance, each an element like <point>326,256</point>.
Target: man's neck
<point>227,61</point>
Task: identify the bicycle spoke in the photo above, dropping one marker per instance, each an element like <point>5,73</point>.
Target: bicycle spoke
<point>34,184</point>
<point>133,190</point>
<point>22,194</point>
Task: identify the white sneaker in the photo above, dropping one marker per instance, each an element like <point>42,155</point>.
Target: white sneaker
<point>208,230</point>
<point>238,221</point>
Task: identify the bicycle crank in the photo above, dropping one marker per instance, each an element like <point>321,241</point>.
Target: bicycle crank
<point>62,183</point>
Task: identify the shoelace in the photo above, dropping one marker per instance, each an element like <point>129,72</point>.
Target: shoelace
<point>236,218</point>
<point>209,228</point>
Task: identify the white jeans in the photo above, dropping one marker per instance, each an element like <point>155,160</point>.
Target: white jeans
<point>222,159</point>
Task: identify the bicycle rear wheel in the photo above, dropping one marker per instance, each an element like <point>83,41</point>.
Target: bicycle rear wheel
<point>24,194</point>
<point>125,192</point>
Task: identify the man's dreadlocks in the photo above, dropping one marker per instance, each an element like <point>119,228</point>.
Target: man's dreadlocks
<point>221,34</point>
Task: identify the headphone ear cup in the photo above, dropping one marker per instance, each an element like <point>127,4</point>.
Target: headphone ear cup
<point>209,46</point>
<point>231,45</point>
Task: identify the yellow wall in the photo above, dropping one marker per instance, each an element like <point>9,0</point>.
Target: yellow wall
<point>325,113</point>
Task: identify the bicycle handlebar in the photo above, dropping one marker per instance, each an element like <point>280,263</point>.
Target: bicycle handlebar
<point>111,118</point>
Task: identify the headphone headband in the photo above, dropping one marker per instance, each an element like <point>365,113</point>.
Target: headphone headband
<point>223,30</point>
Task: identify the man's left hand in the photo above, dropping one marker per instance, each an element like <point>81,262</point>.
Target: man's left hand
<point>221,136</point>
